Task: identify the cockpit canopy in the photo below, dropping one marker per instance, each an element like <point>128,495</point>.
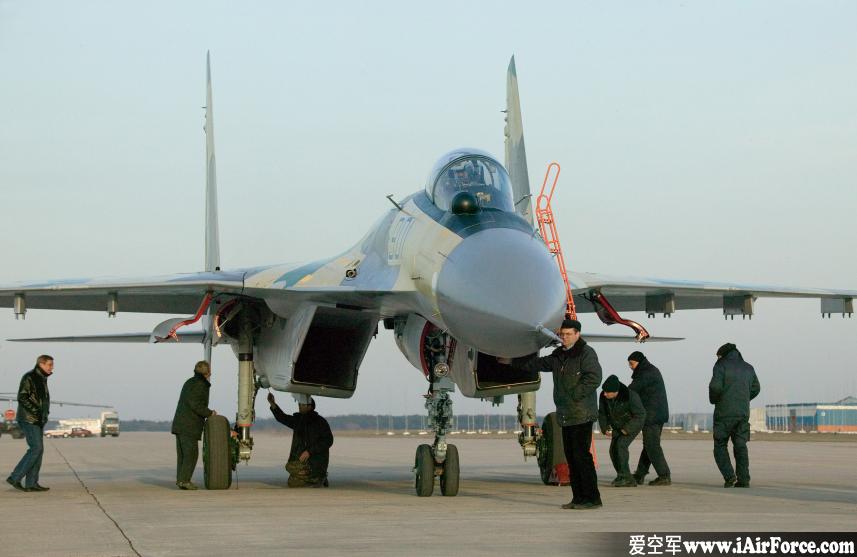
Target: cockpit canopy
<point>472,171</point>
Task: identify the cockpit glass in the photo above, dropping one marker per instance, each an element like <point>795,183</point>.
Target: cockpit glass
<point>480,175</point>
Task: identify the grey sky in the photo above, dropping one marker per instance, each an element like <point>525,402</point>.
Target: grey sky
<point>697,140</point>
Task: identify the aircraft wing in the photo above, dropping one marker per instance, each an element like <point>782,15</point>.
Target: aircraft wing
<point>180,293</point>
<point>13,397</point>
<point>183,293</point>
<point>654,295</point>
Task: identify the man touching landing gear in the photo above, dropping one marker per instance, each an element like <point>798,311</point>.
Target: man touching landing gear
<point>311,442</point>
<point>191,412</point>
<point>576,377</point>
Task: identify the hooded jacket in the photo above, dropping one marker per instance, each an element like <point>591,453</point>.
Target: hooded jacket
<point>576,377</point>
<point>311,433</point>
<point>733,385</point>
<point>625,412</point>
<point>647,381</point>
<point>34,399</point>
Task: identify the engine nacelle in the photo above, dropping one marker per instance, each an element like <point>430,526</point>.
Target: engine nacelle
<point>476,374</point>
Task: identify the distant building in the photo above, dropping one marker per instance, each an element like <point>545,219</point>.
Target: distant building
<point>835,417</point>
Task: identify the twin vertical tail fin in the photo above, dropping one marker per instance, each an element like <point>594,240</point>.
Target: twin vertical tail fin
<point>212,230</point>
<point>516,154</point>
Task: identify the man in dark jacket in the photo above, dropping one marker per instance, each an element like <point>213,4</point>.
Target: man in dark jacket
<point>647,381</point>
<point>733,385</point>
<point>621,415</point>
<point>34,405</point>
<point>311,442</point>
<point>191,412</point>
<point>576,376</point>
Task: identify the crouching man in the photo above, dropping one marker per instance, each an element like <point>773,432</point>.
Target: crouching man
<point>311,442</point>
<point>621,414</point>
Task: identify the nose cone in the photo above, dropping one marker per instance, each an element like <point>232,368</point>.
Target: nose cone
<point>494,289</point>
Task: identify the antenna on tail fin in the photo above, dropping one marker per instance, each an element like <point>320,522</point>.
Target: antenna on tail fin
<point>516,154</point>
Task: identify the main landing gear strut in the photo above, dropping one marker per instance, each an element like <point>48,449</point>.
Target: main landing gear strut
<point>439,459</point>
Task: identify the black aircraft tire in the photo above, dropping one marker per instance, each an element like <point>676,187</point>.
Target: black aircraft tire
<point>545,448</point>
<point>217,470</point>
<point>449,479</point>
<point>424,466</point>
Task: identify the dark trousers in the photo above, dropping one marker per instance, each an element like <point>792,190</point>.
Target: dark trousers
<point>187,453</point>
<point>31,463</point>
<point>576,440</point>
<point>652,453</point>
<point>619,444</point>
<point>737,429</point>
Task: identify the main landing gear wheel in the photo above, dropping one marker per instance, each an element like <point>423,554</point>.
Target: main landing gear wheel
<point>545,452</point>
<point>216,463</point>
<point>424,468</point>
<point>449,477</point>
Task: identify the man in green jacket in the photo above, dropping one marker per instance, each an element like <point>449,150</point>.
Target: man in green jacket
<point>733,385</point>
<point>191,412</point>
<point>576,377</point>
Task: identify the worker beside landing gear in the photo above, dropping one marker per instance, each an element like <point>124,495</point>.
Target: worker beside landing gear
<point>311,442</point>
<point>576,377</point>
<point>191,412</point>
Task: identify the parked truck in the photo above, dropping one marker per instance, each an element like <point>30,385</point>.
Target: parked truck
<point>109,424</point>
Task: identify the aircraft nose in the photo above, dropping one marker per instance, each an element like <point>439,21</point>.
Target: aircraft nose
<point>496,287</point>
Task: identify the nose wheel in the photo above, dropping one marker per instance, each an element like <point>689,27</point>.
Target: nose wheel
<point>426,469</point>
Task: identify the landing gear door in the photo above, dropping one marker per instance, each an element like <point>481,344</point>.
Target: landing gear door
<point>279,346</point>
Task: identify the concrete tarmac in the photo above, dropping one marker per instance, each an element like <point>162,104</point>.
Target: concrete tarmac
<point>118,497</point>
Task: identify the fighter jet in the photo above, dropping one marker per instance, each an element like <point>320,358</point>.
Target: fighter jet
<point>457,270</point>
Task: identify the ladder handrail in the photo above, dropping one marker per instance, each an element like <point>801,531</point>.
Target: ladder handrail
<point>547,228</point>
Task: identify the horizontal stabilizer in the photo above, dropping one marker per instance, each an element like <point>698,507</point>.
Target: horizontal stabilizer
<point>185,336</point>
<point>626,338</point>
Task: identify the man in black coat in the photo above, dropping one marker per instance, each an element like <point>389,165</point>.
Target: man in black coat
<point>311,442</point>
<point>733,385</point>
<point>34,405</point>
<point>621,415</point>
<point>191,412</point>
<point>576,376</point>
<point>647,381</point>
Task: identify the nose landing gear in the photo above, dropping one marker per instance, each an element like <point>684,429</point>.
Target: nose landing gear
<point>439,459</point>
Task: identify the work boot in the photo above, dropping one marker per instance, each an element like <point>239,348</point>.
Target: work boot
<point>38,487</point>
<point>730,482</point>
<point>661,480</point>
<point>187,486</point>
<point>617,480</point>
<point>640,478</point>
<point>627,481</point>
<point>569,505</point>
<point>742,483</point>
<point>16,485</point>
<point>588,505</point>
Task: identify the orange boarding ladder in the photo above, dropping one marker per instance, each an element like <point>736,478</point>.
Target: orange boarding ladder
<point>547,228</point>
<point>561,474</point>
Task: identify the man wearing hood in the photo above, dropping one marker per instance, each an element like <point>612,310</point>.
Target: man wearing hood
<point>621,415</point>
<point>733,385</point>
<point>647,381</point>
<point>34,405</point>
<point>311,442</point>
<point>576,376</point>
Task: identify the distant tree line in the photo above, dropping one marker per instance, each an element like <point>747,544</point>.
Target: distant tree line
<point>358,422</point>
